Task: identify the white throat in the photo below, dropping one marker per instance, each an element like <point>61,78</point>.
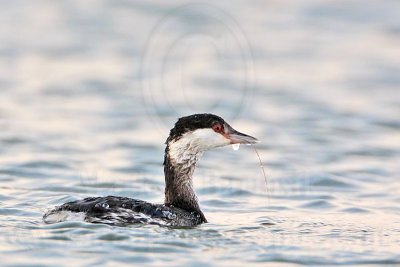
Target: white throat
<point>191,145</point>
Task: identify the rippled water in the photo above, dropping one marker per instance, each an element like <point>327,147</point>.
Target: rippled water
<point>89,90</point>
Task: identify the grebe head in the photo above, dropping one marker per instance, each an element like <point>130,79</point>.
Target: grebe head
<point>201,132</point>
<point>189,138</point>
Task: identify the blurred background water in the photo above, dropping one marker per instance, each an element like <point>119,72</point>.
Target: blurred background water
<point>90,89</point>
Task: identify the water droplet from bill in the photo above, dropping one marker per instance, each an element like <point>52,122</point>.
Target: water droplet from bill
<point>235,146</point>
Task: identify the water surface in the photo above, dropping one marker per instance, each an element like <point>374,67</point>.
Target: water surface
<point>89,91</point>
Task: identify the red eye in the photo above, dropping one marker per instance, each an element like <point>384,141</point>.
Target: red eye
<point>218,128</point>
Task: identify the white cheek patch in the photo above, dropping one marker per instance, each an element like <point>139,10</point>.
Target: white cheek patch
<point>207,138</point>
<point>192,144</point>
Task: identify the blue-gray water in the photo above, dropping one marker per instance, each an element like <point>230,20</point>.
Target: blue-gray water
<point>89,90</point>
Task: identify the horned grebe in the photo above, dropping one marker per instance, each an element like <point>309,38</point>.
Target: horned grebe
<point>190,137</point>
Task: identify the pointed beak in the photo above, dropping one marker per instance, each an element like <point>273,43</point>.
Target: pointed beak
<point>237,137</point>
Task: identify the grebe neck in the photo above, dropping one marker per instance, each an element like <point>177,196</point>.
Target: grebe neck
<point>179,165</point>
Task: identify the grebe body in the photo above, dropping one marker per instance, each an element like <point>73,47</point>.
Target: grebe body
<point>190,137</point>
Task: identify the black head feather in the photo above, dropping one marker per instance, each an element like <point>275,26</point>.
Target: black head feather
<point>193,122</point>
